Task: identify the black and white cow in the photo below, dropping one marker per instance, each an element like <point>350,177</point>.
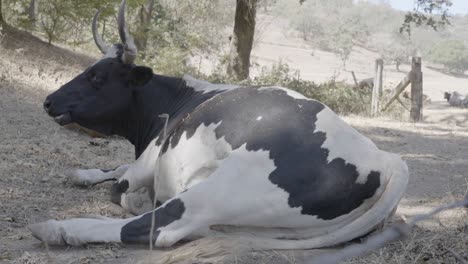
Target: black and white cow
<point>456,99</point>
<point>275,168</point>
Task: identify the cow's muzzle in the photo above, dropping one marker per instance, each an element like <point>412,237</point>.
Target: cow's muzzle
<point>63,119</point>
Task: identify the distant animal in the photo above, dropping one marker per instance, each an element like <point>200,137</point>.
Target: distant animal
<point>407,95</point>
<point>366,83</point>
<point>265,165</point>
<point>456,99</point>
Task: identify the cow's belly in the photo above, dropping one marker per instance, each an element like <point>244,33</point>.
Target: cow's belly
<point>247,197</point>
<point>190,161</point>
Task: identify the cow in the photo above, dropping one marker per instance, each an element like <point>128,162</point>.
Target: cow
<point>456,99</point>
<point>264,165</point>
<point>366,84</point>
<point>407,95</point>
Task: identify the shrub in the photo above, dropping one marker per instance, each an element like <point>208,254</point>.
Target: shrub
<point>340,97</point>
<point>453,54</point>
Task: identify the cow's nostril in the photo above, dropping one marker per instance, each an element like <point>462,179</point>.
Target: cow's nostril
<point>47,105</point>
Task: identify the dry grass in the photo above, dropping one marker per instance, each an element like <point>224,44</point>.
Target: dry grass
<point>34,153</point>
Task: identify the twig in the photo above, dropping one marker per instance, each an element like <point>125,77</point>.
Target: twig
<point>377,241</point>
<point>156,184</point>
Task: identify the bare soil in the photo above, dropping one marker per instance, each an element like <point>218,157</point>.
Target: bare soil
<point>35,152</point>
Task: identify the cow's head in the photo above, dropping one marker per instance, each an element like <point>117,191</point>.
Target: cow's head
<point>447,96</point>
<point>103,92</point>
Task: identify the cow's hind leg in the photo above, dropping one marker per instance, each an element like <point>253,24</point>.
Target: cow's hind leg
<point>94,176</point>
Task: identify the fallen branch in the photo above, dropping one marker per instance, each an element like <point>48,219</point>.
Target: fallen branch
<point>394,232</point>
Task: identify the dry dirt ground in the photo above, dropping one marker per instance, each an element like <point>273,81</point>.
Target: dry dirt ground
<point>35,152</point>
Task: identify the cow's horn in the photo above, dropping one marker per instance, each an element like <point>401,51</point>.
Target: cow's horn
<point>130,50</point>
<point>103,46</point>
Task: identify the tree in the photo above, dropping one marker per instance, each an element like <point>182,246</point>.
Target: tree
<point>4,26</point>
<point>432,13</point>
<point>2,20</point>
<point>33,9</point>
<point>141,37</point>
<point>242,39</point>
<point>393,48</point>
<point>453,54</point>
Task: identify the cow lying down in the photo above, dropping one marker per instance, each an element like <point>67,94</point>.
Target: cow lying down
<point>280,170</point>
<point>456,99</point>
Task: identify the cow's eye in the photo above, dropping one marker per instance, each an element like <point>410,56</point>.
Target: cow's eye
<point>96,80</point>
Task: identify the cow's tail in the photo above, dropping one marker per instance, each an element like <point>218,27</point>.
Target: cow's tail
<point>397,181</point>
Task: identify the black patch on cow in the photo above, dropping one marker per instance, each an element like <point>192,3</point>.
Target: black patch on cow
<point>117,189</point>
<point>162,95</point>
<point>138,231</point>
<point>286,130</point>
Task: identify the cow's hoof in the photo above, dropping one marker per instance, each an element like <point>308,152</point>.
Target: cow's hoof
<point>48,232</point>
<point>117,189</point>
<point>138,202</point>
<point>78,178</point>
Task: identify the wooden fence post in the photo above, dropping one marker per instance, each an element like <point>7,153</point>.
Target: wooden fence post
<point>354,78</point>
<point>416,90</point>
<point>377,90</point>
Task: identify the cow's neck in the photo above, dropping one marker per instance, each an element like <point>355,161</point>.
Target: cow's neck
<point>162,95</point>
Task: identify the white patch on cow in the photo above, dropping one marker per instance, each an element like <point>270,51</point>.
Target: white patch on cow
<point>343,141</point>
<point>191,160</point>
<point>456,99</point>
<point>79,231</point>
<point>289,92</point>
<point>239,193</point>
<point>259,118</point>
<point>204,86</point>
<point>111,52</point>
<point>141,172</point>
<point>94,176</point>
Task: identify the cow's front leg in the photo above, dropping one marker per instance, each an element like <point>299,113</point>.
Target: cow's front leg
<point>134,190</point>
<point>94,176</point>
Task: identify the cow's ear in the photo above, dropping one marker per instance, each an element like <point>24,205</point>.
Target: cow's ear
<point>140,75</point>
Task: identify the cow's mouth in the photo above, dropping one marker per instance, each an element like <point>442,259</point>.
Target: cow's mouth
<point>63,119</point>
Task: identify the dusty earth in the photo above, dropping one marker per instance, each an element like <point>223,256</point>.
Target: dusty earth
<point>35,152</point>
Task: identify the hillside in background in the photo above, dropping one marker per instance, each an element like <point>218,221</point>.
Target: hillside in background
<point>318,65</point>
<point>316,38</point>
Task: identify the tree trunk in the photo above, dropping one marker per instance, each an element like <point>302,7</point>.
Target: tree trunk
<point>32,12</point>
<point>2,21</point>
<point>242,39</point>
<point>145,14</point>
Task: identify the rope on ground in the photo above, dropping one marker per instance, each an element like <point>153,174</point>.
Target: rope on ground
<point>392,233</point>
